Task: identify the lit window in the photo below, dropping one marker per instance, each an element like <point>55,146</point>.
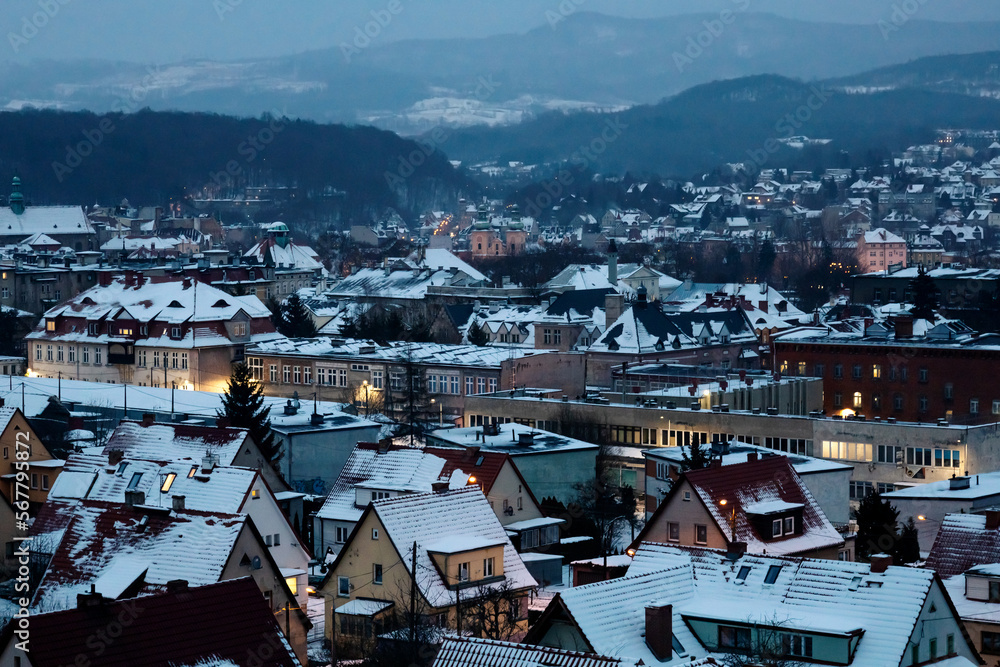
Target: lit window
<point>50,325</point>
<point>168,482</point>
<point>293,585</point>
<point>857,400</point>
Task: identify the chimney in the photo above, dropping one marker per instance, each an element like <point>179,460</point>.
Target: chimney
<point>177,502</point>
<point>91,599</point>
<point>613,305</point>
<point>880,563</point>
<point>613,263</point>
<point>525,439</point>
<point>148,419</point>
<point>384,444</point>
<point>439,486</point>
<point>752,457</point>
<point>177,585</point>
<point>104,278</point>
<point>736,550</point>
<point>992,519</point>
<point>716,463</point>
<point>472,451</point>
<point>659,631</point>
<point>903,325</point>
<point>133,498</point>
<point>115,456</point>
<point>208,462</point>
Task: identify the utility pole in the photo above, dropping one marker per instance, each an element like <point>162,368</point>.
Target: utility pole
<point>172,399</point>
<point>125,386</point>
<point>413,594</point>
<point>59,386</point>
<point>22,397</point>
<point>458,608</point>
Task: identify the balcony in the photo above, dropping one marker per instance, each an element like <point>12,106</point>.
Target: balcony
<point>119,354</point>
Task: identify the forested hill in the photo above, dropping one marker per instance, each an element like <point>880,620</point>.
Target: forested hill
<point>731,121</point>
<point>156,157</point>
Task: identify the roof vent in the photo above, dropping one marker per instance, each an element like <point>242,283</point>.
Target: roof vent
<point>526,439</point>
<point>133,498</point>
<point>178,503</point>
<point>956,483</point>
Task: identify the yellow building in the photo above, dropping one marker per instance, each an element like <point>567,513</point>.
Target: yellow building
<point>462,558</point>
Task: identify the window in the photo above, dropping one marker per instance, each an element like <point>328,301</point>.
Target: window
<point>918,456</point>
<point>922,375</point>
<point>97,355</point>
<point>374,533</point>
<point>776,528</point>
<point>470,387</point>
<point>463,571</point>
<point>454,384</point>
<point>797,645</point>
<point>141,357</point>
<point>838,371</point>
<point>50,325</point>
<point>297,374</point>
<point>341,534</point>
<point>492,385</point>
<point>38,352</point>
<point>273,372</point>
<point>488,566</point>
<point>277,539</point>
<point>734,638</point>
<point>343,586</point>
<point>876,401</point>
<point>877,372</point>
<point>557,337</point>
<point>480,385</point>
<point>802,368</point>
<point>377,573</point>
<point>673,531</point>
<point>156,359</point>
<point>174,357</point>
<point>307,374</point>
<point>820,370</point>
<point>996,407</point>
<point>974,406</point>
<point>897,402</point>
<point>933,648</point>
<point>380,495</point>
<point>134,482</point>
<point>342,378</point>
<point>789,527</point>
<point>48,353</point>
<point>838,400</point>
<point>856,372</point>
<point>886,453</point>
<point>286,374</point>
<point>432,384</point>
<point>922,402</point>
<point>34,480</point>
<point>548,336</point>
<point>700,534</point>
<point>377,379</point>
<point>743,573</point>
<point>949,391</point>
<point>168,482</point>
<point>860,490</point>
<point>184,360</point>
<point>60,356</point>
<point>239,329</point>
<point>175,332</point>
<point>950,645</point>
<point>772,574</point>
<point>857,400</point>
<point>991,643</point>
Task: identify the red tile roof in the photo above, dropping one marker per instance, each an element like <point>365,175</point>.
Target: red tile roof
<point>225,621</point>
<point>475,652</point>
<point>963,542</point>
<point>486,472</point>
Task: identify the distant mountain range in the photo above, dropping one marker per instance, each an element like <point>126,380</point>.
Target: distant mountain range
<point>587,61</point>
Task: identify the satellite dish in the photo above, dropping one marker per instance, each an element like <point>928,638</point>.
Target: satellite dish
<point>255,563</point>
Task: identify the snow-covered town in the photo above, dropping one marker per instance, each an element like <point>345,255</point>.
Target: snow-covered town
<point>500,334</point>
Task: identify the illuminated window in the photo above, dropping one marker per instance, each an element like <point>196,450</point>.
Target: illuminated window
<point>876,372</point>
<point>50,325</point>
<point>857,400</point>
<point>168,482</point>
<point>293,585</point>
<point>191,472</point>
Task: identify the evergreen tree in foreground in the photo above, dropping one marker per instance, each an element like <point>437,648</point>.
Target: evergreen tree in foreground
<point>294,320</point>
<point>243,406</point>
<point>877,527</point>
<point>700,457</point>
<point>925,295</point>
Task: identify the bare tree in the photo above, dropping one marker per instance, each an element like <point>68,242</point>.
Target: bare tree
<point>763,643</point>
<point>493,611</point>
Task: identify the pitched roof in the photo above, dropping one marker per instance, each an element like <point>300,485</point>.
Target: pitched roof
<point>806,594</point>
<point>44,219</point>
<point>216,624</point>
<point>117,547</point>
<point>757,487</point>
<point>426,519</point>
<point>176,442</point>
<point>963,542</point>
<point>645,329</point>
<point>476,652</point>
<point>402,468</point>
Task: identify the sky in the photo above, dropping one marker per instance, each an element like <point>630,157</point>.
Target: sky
<point>161,31</point>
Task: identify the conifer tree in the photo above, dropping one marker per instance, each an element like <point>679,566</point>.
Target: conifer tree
<point>877,528</point>
<point>243,406</point>
<point>295,320</point>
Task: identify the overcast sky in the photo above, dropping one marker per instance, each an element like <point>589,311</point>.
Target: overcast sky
<point>160,31</point>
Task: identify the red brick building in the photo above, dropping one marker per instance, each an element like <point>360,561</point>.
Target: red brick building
<point>944,372</point>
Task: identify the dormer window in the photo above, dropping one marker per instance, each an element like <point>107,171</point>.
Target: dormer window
<point>50,325</point>
<point>174,304</point>
<point>175,332</point>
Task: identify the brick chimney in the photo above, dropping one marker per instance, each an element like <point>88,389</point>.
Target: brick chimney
<point>439,486</point>
<point>115,456</point>
<point>903,324</point>
<point>659,631</point>
<point>148,418</point>
<point>752,457</point>
<point>880,563</point>
<point>992,519</point>
<point>613,306</point>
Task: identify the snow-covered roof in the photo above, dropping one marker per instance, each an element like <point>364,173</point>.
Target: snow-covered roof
<point>881,235</point>
<point>51,220</point>
<point>982,485</point>
<point>111,540</point>
<point>409,278</point>
<point>401,469</point>
<point>476,652</point>
<point>427,518</point>
<point>963,541</point>
<point>738,452</point>
<point>507,440</point>
<point>292,256</point>
<point>806,594</point>
<point>176,442</point>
